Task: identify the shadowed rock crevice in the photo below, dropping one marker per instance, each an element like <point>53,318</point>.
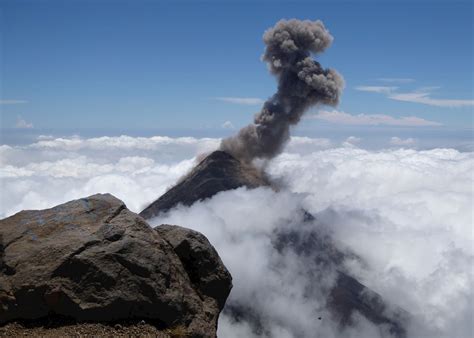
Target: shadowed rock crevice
<point>199,259</point>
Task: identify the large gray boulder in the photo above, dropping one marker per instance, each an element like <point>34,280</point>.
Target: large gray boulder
<point>93,259</point>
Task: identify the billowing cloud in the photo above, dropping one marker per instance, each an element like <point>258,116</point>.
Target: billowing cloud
<point>248,101</point>
<point>302,83</point>
<point>406,213</point>
<point>74,167</point>
<point>341,117</point>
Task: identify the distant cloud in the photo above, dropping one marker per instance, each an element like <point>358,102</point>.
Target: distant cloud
<point>22,124</point>
<point>45,137</point>
<point>425,98</point>
<point>249,101</point>
<point>421,95</point>
<point>227,125</point>
<point>12,101</point>
<point>376,89</point>
<point>396,79</point>
<point>371,119</point>
<point>351,141</point>
<point>402,142</point>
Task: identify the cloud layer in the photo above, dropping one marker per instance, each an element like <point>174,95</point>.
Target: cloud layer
<point>406,213</point>
<point>341,117</point>
<point>248,101</point>
<point>421,95</point>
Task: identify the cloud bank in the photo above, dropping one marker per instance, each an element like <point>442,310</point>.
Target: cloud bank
<point>341,117</point>
<point>406,213</point>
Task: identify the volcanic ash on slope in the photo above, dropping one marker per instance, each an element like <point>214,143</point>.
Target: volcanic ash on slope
<point>219,171</point>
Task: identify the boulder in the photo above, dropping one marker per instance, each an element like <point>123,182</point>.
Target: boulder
<point>94,260</point>
<point>201,261</point>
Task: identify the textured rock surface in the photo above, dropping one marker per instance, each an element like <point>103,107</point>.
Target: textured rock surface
<point>217,172</point>
<point>93,259</point>
<point>201,261</point>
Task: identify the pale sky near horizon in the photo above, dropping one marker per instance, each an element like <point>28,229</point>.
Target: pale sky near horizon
<point>196,65</point>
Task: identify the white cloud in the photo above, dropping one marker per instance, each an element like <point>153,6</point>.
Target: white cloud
<point>12,101</point>
<point>396,79</point>
<point>376,89</point>
<point>425,98</point>
<point>351,141</point>
<point>45,137</point>
<point>22,124</point>
<point>249,101</point>
<point>60,169</point>
<point>406,213</point>
<point>304,145</point>
<point>227,125</point>
<point>402,142</point>
<point>371,119</point>
<point>421,95</point>
<point>124,143</point>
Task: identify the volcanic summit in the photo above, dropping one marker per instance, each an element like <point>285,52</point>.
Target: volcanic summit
<point>217,172</point>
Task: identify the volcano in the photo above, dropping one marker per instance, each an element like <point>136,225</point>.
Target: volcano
<point>219,172</point>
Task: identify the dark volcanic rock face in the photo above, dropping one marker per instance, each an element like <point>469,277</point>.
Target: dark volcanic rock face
<point>217,172</point>
<point>93,259</point>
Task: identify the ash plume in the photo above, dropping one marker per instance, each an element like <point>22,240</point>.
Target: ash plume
<point>302,83</point>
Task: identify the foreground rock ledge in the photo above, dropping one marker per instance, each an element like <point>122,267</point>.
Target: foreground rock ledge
<point>93,259</point>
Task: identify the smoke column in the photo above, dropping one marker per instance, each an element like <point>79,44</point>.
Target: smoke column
<point>302,83</point>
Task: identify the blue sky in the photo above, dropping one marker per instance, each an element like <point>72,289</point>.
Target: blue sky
<point>196,65</point>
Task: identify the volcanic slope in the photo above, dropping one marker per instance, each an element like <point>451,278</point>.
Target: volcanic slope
<point>220,171</point>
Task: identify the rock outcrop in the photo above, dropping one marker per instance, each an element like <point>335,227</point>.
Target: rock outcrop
<point>217,172</point>
<point>93,259</point>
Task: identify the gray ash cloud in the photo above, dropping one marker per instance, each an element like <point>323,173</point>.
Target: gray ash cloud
<point>302,83</point>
